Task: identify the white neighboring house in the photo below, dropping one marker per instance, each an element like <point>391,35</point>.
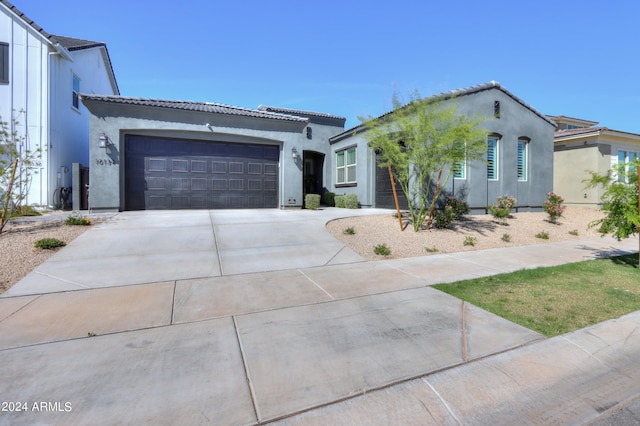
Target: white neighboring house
<point>41,76</point>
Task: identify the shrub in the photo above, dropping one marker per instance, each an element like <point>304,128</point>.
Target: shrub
<point>351,201</point>
<point>22,211</point>
<point>77,219</point>
<point>574,232</point>
<point>460,208</point>
<point>543,235</point>
<point>382,250</point>
<point>329,199</point>
<point>502,209</point>
<point>49,243</point>
<point>506,238</point>
<point>349,231</point>
<point>470,241</point>
<point>444,219</point>
<point>553,206</point>
<point>340,201</point>
<point>433,249</point>
<point>312,201</point>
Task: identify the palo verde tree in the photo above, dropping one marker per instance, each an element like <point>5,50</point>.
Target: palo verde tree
<point>423,140</point>
<point>16,169</point>
<point>619,201</point>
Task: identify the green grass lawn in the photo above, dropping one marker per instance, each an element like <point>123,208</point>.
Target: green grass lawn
<point>558,299</point>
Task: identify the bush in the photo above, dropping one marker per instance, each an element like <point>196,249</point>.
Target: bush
<point>77,219</point>
<point>349,231</point>
<point>553,206</point>
<point>351,201</point>
<point>506,238</point>
<point>433,249</point>
<point>23,211</point>
<point>502,209</point>
<point>543,235</point>
<point>574,232</point>
<point>382,250</point>
<point>460,208</point>
<point>444,219</point>
<point>340,201</point>
<point>470,241</point>
<point>312,201</point>
<point>49,243</point>
<point>329,199</point>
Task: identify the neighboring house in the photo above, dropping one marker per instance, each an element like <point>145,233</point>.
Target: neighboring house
<point>41,77</point>
<point>518,163</point>
<point>163,154</point>
<point>581,146</point>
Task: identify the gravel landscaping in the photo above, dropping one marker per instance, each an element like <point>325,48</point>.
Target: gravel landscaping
<point>371,231</point>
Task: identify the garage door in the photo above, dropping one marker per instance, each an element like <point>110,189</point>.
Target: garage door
<point>165,173</point>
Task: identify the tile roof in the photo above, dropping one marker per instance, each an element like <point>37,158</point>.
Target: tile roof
<point>72,44</point>
<point>25,18</point>
<point>193,106</point>
<point>456,93</point>
<point>299,112</point>
<point>589,130</point>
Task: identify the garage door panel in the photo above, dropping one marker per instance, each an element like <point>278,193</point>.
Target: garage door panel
<point>183,174</point>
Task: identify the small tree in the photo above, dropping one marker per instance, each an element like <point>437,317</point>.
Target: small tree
<point>16,162</point>
<point>422,141</point>
<point>619,201</point>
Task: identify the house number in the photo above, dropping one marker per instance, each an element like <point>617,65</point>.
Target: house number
<point>103,162</point>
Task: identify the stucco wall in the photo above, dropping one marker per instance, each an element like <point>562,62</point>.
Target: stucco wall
<point>571,165</point>
<point>117,120</point>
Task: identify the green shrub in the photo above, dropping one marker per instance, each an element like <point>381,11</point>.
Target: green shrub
<point>77,219</point>
<point>574,232</point>
<point>444,219</point>
<point>329,199</point>
<point>340,201</point>
<point>433,249</point>
<point>351,201</point>
<point>49,243</point>
<point>21,211</point>
<point>312,201</point>
<point>502,209</point>
<point>470,241</point>
<point>506,238</point>
<point>553,206</point>
<point>543,235</point>
<point>349,231</point>
<point>382,250</point>
<point>460,208</point>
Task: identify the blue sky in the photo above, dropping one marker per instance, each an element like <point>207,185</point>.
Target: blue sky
<point>574,58</point>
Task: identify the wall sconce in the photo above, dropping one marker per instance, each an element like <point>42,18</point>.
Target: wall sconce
<point>103,141</point>
<point>294,153</point>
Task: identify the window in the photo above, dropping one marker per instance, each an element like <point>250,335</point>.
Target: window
<point>496,109</point>
<point>346,166</point>
<point>76,92</point>
<point>623,166</point>
<point>4,62</point>
<point>492,158</point>
<point>523,145</point>
<point>459,170</point>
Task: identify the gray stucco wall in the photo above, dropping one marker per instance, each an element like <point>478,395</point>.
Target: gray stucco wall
<point>515,121</point>
<point>117,120</point>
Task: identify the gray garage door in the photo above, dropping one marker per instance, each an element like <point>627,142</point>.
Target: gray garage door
<point>165,173</point>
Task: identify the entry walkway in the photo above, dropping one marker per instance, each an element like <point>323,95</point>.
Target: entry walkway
<point>175,318</point>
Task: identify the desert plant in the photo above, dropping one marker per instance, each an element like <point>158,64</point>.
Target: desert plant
<point>444,219</point>
<point>49,243</point>
<point>460,207</point>
<point>553,206</point>
<point>382,250</point>
<point>502,209</point>
<point>351,201</point>
<point>470,241</point>
<point>340,201</point>
<point>329,199</point>
<point>433,249</point>
<point>312,201</point>
<point>77,219</point>
<point>349,231</point>
<point>506,238</point>
<point>574,232</point>
<point>544,235</point>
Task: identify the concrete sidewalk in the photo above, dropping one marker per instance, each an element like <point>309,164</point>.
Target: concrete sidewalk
<point>169,323</point>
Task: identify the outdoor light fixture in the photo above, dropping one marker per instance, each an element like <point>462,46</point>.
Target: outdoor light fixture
<point>104,141</point>
<point>294,153</point>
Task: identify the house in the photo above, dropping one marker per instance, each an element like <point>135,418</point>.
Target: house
<point>581,146</point>
<point>167,154</point>
<point>519,155</point>
<point>41,77</point>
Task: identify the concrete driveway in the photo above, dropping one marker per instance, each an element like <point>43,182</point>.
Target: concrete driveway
<point>245,317</point>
